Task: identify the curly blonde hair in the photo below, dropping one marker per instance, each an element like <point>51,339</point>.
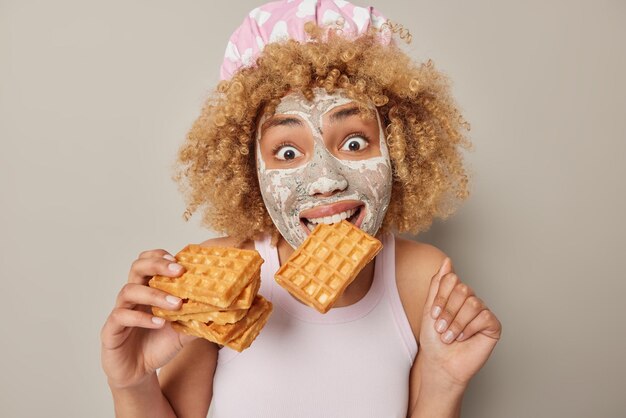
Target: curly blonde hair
<point>216,168</point>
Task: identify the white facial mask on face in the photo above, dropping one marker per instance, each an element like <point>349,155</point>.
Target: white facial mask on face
<point>290,191</point>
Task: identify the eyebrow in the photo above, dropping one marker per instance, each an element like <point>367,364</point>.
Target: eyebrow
<point>344,113</point>
<point>282,121</point>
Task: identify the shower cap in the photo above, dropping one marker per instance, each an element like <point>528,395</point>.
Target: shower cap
<point>282,20</point>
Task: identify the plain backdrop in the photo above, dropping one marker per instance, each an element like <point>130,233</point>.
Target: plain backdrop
<point>96,97</point>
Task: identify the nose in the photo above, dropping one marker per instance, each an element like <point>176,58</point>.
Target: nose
<point>325,177</point>
<point>326,186</point>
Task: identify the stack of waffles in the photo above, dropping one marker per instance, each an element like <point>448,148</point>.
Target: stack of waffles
<point>331,257</point>
<point>219,291</point>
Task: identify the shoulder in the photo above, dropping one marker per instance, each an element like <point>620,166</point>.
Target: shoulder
<point>414,257</point>
<point>228,242</point>
<point>416,264</point>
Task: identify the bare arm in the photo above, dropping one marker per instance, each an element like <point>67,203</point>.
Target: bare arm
<point>456,331</point>
<point>183,389</point>
<point>431,398</point>
<point>135,344</point>
<point>145,400</point>
<point>187,380</point>
<point>415,264</point>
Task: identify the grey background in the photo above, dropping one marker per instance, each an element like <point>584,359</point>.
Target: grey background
<point>95,98</point>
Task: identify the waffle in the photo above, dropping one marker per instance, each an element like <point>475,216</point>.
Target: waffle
<point>331,257</point>
<point>192,309</point>
<point>238,335</point>
<point>214,275</point>
<point>219,317</point>
<point>219,291</point>
<point>245,340</point>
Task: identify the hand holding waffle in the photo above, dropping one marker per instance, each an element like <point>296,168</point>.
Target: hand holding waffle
<point>219,292</point>
<point>134,342</point>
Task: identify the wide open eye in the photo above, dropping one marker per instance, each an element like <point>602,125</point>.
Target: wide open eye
<point>286,152</point>
<point>355,143</point>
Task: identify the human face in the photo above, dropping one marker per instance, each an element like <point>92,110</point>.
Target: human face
<point>321,161</point>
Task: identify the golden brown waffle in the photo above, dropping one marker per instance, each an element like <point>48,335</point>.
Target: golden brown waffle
<point>219,317</point>
<point>214,275</point>
<point>191,307</point>
<point>242,333</point>
<point>331,257</point>
<point>245,340</point>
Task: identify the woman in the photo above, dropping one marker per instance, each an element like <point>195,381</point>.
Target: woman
<point>320,117</point>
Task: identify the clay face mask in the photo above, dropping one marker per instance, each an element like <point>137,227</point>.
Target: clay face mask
<point>327,173</point>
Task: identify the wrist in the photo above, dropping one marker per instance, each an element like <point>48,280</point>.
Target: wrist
<point>438,397</point>
<point>139,386</point>
<point>144,399</point>
<point>437,381</point>
<point>435,389</point>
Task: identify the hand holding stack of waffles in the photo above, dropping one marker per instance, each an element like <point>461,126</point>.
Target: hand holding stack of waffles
<point>219,293</point>
<point>220,286</point>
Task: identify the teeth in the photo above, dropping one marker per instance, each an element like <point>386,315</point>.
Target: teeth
<point>330,219</point>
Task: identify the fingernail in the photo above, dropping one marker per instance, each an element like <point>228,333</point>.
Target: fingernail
<point>436,312</point>
<point>441,325</point>
<point>158,321</point>
<point>460,337</point>
<point>169,257</point>
<point>172,300</point>
<point>447,337</point>
<point>175,267</point>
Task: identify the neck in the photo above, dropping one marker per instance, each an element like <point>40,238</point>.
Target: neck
<point>353,293</point>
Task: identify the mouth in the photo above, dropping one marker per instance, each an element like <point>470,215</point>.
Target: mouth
<point>352,211</point>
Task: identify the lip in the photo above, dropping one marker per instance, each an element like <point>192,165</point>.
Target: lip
<point>329,210</point>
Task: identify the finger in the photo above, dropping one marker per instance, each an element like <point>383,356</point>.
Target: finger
<point>470,309</point>
<point>159,253</point>
<point>445,268</point>
<point>446,285</point>
<point>484,323</point>
<point>143,269</point>
<point>120,321</point>
<point>457,298</point>
<point>133,294</point>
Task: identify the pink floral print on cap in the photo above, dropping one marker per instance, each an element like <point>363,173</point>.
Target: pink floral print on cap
<point>281,20</point>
